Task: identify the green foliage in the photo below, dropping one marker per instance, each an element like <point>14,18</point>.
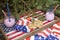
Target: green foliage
<point>18,7</point>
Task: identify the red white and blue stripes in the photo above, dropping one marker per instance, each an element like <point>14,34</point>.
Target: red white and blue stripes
<point>56,29</point>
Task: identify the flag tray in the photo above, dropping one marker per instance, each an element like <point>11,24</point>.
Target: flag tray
<point>22,37</point>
